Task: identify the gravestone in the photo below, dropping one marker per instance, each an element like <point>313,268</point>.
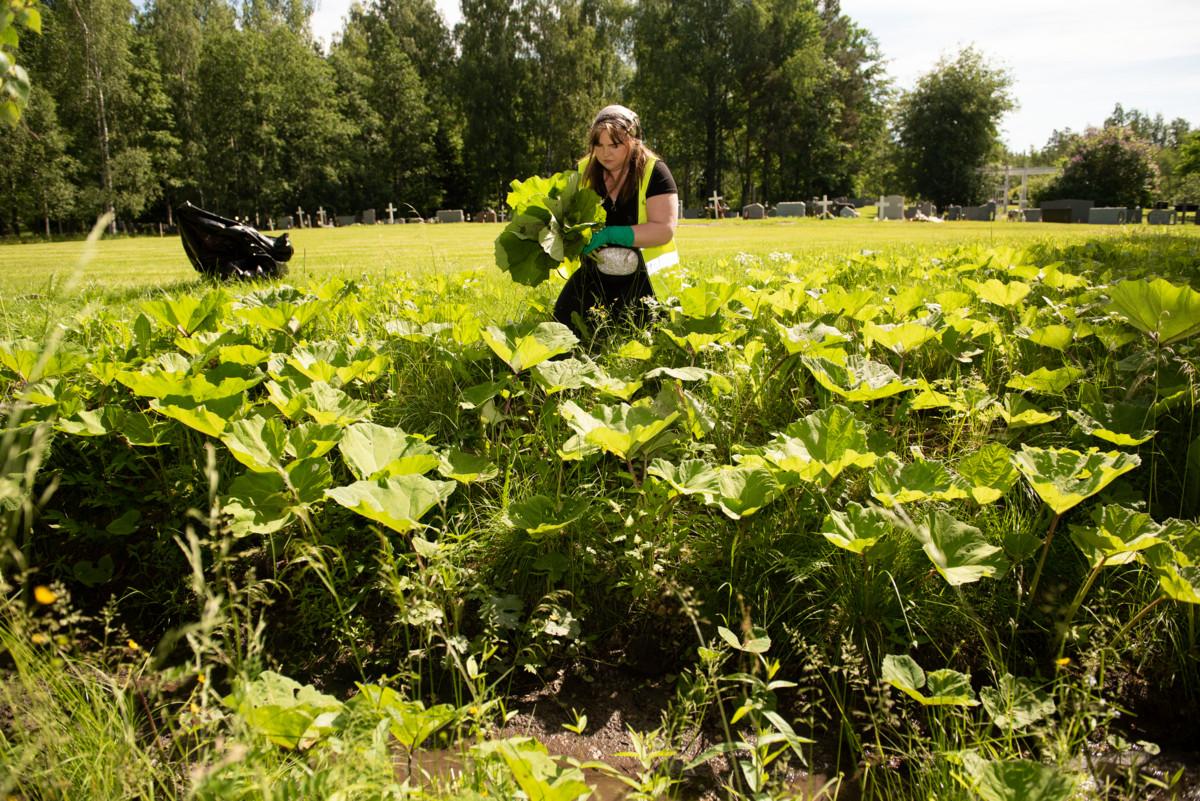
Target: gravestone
<point>285,222</point>
<point>984,213</point>
<point>924,209</point>
<point>791,208</point>
<point>1106,215</point>
<point>487,216</point>
<point>953,213</point>
<point>1056,215</point>
<point>368,217</point>
<point>1161,217</point>
<point>450,216</point>
<point>1133,215</point>
<point>321,220</point>
<point>753,211</point>
<point>391,210</point>
<point>1031,215</point>
<point>345,219</point>
<point>1078,209</point>
<point>891,207</point>
<point>693,214</point>
<point>848,212</point>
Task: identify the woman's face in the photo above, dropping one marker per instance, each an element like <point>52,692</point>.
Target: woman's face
<point>611,154</point>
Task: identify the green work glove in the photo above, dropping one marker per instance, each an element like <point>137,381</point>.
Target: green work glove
<point>613,235</point>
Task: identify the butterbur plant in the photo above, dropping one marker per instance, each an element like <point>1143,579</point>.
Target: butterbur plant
<point>552,220</point>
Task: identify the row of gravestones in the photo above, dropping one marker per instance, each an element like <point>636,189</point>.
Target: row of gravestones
<point>284,222</point>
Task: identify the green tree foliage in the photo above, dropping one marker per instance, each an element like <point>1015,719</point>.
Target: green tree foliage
<point>684,54</point>
<point>35,171</point>
<point>530,77</point>
<point>1110,166</point>
<point>947,127</point>
<point>14,80</point>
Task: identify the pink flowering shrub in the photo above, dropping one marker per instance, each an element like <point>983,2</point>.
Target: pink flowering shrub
<point>1109,166</point>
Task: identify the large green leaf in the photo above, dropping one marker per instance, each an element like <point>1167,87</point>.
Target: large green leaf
<point>743,489</point>
<point>398,502</point>
<point>944,687</point>
<point>541,514</point>
<point>466,468</point>
<point>257,442</point>
<point>1116,535</point>
<point>988,472</point>
<point>858,380</point>
<point>856,529</point>
<point>1177,563</point>
<point>689,477</point>
<point>813,338</point>
<point>706,297</point>
<point>522,347</point>
<point>1049,382</point>
<point>820,446</point>
<point>1063,478</point>
<point>1018,780</point>
<point>187,314</point>
<point>621,430</point>
<point>1166,312</point>
<point>284,711</point>
<point>996,292</point>
<point>959,552</point>
<point>1018,412</point>
<point>900,338</point>
<point>894,483</point>
<point>563,374</point>
<point>373,451</point>
<point>1015,703</point>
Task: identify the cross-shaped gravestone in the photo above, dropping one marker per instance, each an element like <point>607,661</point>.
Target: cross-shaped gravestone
<point>321,216</point>
<point>716,201</point>
<point>391,210</point>
<point>824,204</point>
<point>300,216</point>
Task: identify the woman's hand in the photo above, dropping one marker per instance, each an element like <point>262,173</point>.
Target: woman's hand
<point>621,235</point>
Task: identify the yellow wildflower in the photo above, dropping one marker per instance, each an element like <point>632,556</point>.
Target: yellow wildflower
<point>133,646</point>
<point>40,639</point>
<point>44,595</point>
<point>1066,660</point>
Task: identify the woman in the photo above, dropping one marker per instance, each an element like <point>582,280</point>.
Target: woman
<point>641,202</point>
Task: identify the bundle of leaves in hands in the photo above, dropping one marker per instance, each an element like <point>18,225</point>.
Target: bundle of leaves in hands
<point>553,219</point>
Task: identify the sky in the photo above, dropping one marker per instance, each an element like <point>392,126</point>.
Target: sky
<point>1071,61</point>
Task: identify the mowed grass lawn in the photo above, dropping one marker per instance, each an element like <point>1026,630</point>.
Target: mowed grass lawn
<point>380,251</point>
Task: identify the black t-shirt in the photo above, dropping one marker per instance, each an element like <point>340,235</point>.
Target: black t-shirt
<point>625,212</point>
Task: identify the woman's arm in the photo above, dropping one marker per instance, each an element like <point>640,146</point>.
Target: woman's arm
<point>662,214</point>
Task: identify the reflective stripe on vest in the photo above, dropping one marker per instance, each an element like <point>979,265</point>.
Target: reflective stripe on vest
<point>657,257</point>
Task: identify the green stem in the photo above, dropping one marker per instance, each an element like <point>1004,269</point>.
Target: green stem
<point>1075,603</point>
<point>1134,620</point>
<point>1037,574</point>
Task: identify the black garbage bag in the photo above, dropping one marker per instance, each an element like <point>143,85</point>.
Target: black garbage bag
<point>227,249</point>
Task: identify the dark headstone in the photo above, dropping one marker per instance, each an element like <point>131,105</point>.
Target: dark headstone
<point>1133,215</point>
<point>450,216</point>
<point>1055,215</point>
<point>984,213</point>
<point>368,217</point>
<point>953,213</point>
<point>791,208</point>
<point>1031,215</point>
<point>345,219</point>
<point>693,214</point>
<point>1078,208</point>
<point>1162,216</point>
<point>754,211</point>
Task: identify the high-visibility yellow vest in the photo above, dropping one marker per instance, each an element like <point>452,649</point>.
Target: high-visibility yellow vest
<point>657,257</point>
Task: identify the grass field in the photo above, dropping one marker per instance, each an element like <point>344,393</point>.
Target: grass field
<point>410,250</point>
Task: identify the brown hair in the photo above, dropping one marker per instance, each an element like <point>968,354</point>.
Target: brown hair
<point>619,130</point>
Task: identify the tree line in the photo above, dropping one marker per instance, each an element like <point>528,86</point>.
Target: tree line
<point>232,105</point>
